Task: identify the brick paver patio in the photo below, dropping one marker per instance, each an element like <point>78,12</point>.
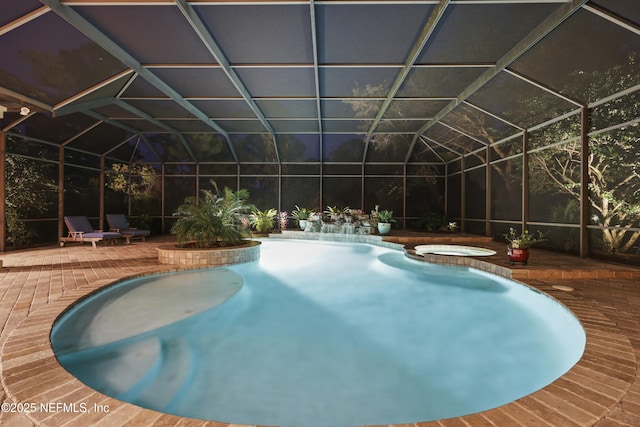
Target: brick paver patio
<point>37,285</point>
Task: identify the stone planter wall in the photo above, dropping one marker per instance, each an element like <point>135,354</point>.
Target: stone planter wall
<point>213,257</point>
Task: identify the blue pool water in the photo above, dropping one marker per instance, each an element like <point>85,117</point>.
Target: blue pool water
<point>319,334</point>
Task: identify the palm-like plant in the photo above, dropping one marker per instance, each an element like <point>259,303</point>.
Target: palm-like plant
<point>263,221</point>
<point>385,216</point>
<point>301,213</point>
<point>213,219</point>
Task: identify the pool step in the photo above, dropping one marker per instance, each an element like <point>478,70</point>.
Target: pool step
<point>118,368</point>
<point>175,373</point>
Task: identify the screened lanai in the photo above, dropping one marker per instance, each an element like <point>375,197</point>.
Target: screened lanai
<point>489,113</point>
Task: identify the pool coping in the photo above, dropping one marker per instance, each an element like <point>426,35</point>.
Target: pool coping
<point>32,375</point>
<point>378,240</point>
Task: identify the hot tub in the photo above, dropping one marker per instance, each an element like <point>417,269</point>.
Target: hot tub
<point>457,250</point>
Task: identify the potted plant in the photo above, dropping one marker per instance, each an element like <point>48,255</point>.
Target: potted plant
<point>213,219</point>
<point>263,221</point>
<point>384,219</point>
<point>518,248</point>
<point>302,216</point>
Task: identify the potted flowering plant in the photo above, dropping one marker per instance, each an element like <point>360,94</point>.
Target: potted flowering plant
<point>302,216</point>
<point>283,218</point>
<point>518,248</point>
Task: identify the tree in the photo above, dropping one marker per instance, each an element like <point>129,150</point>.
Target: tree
<point>393,144</point>
<point>136,180</point>
<point>614,183</point>
<point>28,189</point>
<point>613,160</point>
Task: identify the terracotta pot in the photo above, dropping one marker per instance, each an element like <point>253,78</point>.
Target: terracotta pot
<point>518,255</point>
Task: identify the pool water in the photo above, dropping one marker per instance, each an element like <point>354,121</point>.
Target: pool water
<point>319,334</point>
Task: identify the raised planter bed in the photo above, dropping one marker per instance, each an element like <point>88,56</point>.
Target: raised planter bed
<point>209,257</point>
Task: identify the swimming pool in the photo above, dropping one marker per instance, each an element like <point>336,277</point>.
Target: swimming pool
<point>303,338</point>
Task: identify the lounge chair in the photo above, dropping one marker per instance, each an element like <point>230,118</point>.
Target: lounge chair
<point>81,231</point>
<point>118,223</point>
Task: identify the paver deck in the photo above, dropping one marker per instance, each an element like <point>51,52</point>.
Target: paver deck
<point>36,285</point>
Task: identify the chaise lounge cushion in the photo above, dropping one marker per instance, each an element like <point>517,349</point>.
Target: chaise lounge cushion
<point>119,223</point>
<point>81,225</point>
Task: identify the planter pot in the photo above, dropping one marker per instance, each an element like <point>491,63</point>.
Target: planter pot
<point>518,255</point>
<point>303,224</point>
<point>384,227</point>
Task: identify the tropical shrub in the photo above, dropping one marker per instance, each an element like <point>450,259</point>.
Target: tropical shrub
<point>215,219</point>
<point>263,221</point>
<point>434,221</point>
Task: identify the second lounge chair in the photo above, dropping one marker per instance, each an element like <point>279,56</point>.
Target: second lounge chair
<point>119,223</point>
